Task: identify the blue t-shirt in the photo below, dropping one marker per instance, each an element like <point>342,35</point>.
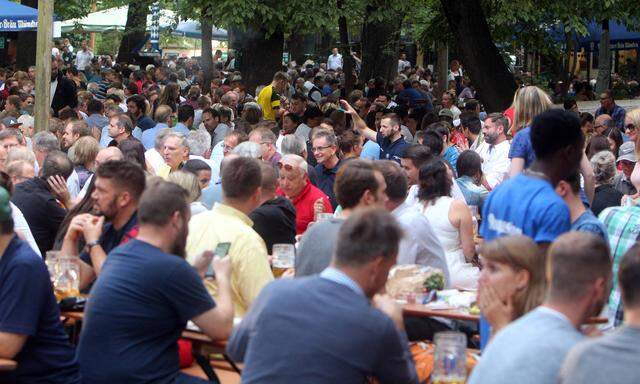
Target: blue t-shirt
<point>137,311</point>
<point>28,307</point>
<point>588,222</point>
<point>391,150</point>
<point>525,205</point>
<point>521,147</point>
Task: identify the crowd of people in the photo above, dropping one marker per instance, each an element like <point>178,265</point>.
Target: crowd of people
<point>141,173</point>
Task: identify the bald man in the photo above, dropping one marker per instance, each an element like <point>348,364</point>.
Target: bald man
<point>602,122</point>
<point>104,155</point>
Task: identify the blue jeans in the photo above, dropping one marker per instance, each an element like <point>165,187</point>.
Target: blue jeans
<point>183,378</point>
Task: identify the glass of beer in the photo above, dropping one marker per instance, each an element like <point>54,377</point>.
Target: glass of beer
<point>450,360</point>
<point>284,257</point>
<point>68,279</point>
<point>52,260</point>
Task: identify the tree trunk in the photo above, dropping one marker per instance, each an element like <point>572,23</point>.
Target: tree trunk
<point>345,48</point>
<point>483,63</point>
<point>26,43</point>
<point>604,60</point>
<point>206,53</point>
<point>442,69</point>
<point>134,29</point>
<point>259,55</point>
<point>380,46</point>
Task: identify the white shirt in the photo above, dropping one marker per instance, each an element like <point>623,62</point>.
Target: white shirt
<point>22,227</point>
<point>154,158</point>
<point>54,86</point>
<point>83,58</point>
<point>412,196</point>
<point>73,184</point>
<point>495,161</point>
<point>334,61</point>
<point>403,64</point>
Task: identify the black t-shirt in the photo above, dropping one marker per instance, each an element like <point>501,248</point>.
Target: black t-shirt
<point>275,222</point>
<point>605,196</point>
<point>28,307</point>
<point>41,210</point>
<point>391,150</point>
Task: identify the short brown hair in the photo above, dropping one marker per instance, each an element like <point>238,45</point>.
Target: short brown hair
<point>629,277</point>
<point>241,177</point>
<point>160,201</point>
<point>79,127</point>
<point>125,174</point>
<point>395,119</point>
<point>575,260</point>
<point>395,178</point>
<point>353,179</point>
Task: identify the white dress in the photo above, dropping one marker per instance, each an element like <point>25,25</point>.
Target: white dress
<point>463,274</point>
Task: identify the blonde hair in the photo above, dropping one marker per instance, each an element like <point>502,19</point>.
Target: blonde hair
<point>20,154</point>
<point>529,102</point>
<point>634,116</point>
<point>604,167</point>
<point>520,253</point>
<point>189,182</point>
<point>85,150</point>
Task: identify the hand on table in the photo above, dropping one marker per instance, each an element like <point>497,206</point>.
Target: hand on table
<point>497,311</point>
<point>389,307</point>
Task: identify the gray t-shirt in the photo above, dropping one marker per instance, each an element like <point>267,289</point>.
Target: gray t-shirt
<point>528,351</point>
<point>611,359</point>
<point>316,247</point>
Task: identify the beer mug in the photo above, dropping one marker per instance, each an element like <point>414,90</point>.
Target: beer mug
<point>68,281</point>
<point>450,360</point>
<point>52,261</point>
<point>284,257</point>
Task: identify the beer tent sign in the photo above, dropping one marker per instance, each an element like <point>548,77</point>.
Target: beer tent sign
<point>16,17</point>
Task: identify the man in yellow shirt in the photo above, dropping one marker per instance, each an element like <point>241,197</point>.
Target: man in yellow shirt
<point>228,222</point>
<point>269,97</point>
<point>174,152</point>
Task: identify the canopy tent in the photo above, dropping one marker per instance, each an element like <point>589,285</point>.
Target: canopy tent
<point>16,17</point>
<point>620,36</point>
<point>116,18</point>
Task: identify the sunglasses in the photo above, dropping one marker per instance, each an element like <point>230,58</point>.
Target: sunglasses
<point>629,127</point>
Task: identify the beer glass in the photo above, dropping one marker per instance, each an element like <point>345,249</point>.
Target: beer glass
<point>52,262</point>
<point>450,360</point>
<point>68,279</point>
<point>284,257</point>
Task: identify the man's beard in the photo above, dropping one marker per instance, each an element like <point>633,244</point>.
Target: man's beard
<point>109,213</point>
<point>180,243</point>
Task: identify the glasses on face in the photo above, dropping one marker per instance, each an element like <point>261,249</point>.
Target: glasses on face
<point>320,149</point>
<point>629,127</point>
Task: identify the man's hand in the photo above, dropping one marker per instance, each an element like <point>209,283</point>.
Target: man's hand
<point>347,107</point>
<point>92,228</point>
<point>76,227</point>
<point>59,189</point>
<point>222,268</point>
<point>318,207</point>
<point>389,307</point>
<point>201,263</point>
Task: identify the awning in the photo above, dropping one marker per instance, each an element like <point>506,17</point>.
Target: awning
<point>16,17</point>
<point>620,37</point>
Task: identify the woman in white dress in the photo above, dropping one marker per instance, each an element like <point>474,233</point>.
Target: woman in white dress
<point>451,221</point>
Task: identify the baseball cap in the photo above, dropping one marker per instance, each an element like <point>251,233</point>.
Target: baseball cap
<point>10,122</point>
<point>446,112</point>
<point>627,152</point>
<point>424,83</point>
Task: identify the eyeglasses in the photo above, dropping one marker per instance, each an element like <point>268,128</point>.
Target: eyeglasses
<point>318,149</point>
<point>629,127</point>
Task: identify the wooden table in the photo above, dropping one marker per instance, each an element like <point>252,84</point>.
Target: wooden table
<point>419,310</point>
<point>7,365</point>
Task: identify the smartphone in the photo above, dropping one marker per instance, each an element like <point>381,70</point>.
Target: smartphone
<point>222,249</point>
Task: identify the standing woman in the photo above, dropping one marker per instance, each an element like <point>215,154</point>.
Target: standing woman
<point>451,221</point>
<point>530,101</point>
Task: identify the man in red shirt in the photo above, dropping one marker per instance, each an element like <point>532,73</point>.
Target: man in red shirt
<point>295,185</point>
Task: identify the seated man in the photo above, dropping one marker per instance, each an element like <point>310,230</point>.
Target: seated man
<point>358,185</point>
<point>531,349</point>
<point>228,222</point>
<point>324,328</point>
<point>296,186</point>
<point>30,328</point>
<point>36,199</point>
<point>118,187</point>
<point>146,294</point>
<point>582,219</point>
<point>275,218</point>
<point>613,358</point>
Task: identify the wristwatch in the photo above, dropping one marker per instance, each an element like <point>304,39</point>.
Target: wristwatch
<point>92,244</point>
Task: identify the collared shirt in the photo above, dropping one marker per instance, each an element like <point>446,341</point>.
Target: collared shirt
<point>495,161</point>
<point>474,194</point>
<point>112,237</point>
<point>477,143</point>
<point>623,185</point>
<point>326,179</point>
<point>334,61</point>
<point>250,270</point>
<point>213,193</point>
<point>391,150</point>
<point>149,136</point>
<point>181,128</point>
<point>83,58</point>
<point>623,229</point>
<point>617,114</point>
<point>304,202</point>
<point>337,276</point>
